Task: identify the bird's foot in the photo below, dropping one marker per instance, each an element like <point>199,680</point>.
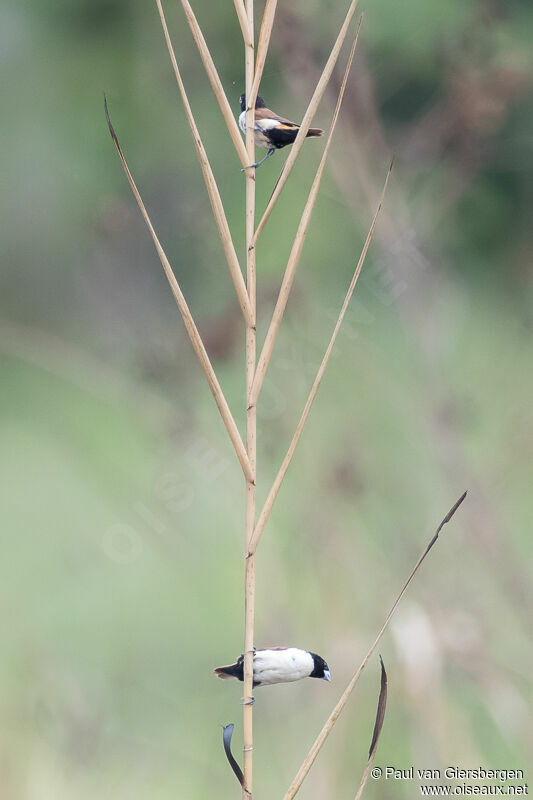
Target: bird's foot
<point>249,702</point>
<point>258,163</point>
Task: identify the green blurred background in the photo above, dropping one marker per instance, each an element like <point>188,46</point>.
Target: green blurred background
<point>122,514</point>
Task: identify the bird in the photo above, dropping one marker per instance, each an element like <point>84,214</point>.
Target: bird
<point>271,130</point>
<point>278,665</point>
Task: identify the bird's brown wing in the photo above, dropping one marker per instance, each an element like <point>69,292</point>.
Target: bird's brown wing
<point>266,113</point>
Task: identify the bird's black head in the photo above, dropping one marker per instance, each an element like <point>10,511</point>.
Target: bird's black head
<point>259,102</point>
<point>321,669</point>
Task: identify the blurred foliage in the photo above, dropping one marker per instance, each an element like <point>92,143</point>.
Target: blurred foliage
<point>122,508</point>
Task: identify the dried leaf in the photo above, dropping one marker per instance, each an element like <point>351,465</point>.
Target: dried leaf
<point>299,239</point>
<point>273,493</point>
<point>333,717</point>
<point>227,733</point>
<point>378,725</point>
<point>192,330</point>
<point>380,715</point>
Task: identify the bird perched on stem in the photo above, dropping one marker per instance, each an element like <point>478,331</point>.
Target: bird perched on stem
<point>271,130</point>
<point>279,665</point>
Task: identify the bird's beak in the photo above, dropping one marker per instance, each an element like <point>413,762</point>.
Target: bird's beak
<point>327,675</point>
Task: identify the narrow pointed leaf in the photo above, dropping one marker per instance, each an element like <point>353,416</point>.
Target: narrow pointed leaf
<point>296,251</point>
<point>262,48</point>
<point>333,717</point>
<point>243,21</point>
<point>227,733</point>
<point>269,502</point>
<point>190,325</point>
<point>211,184</point>
<point>308,117</point>
<point>216,83</point>
<point>380,716</point>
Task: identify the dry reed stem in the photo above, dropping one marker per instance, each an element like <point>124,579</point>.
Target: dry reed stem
<point>269,502</point>
<point>216,83</point>
<point>322,736</point>
<point>243,22</point>
<point>192,330</point>
<point>210,182</point>
<point>308,118</point>
<point>251,424</point>
<point>299,239</point>
<point>262,49</point>
<point>364,779</point>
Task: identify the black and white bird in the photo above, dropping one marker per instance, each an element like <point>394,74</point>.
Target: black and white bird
<point>271,130</point>
<point>279,665</point>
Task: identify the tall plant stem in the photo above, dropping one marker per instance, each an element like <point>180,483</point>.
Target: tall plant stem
<point>249,584</point>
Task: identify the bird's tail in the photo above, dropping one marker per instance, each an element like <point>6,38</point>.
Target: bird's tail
<point>232,671</point>
<point>315,132</point>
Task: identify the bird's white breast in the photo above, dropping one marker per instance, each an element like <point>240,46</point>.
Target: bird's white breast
<point>259,127</point>
<point>282,666</point>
